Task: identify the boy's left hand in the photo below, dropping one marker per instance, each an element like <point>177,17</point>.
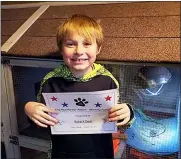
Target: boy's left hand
<point>120,112</point>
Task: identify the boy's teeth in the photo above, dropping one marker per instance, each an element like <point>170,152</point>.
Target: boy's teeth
<point>80,59</point>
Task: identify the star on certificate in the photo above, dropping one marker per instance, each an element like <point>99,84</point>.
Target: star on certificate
<point>65,104</point>
<point>108,98</point>
<point>98,104</point>
<point>54,98</point>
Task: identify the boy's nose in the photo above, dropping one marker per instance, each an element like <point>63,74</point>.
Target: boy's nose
<point>79,49</point>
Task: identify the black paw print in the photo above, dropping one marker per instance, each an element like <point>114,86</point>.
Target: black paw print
<point>81,102</point>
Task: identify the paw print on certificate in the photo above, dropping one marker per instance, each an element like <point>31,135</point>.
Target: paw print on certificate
<point>81,102</point>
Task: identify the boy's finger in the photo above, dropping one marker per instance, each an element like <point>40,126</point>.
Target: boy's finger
<point>39,123</point>
<point>45,121</point>
<point>117,113</point>
<point>119,117</point>
<point>49,110</point>
<point>125,121</point>
<point>117,107</point>
<point>50,118</point>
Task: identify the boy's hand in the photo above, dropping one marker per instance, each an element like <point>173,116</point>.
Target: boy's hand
<point>120,112</point>
<point>37,112</point>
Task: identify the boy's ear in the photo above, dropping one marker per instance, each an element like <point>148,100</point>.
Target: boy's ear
<point>99,50</point>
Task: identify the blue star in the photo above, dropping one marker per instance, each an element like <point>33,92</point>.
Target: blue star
<point>98,104</point>
<point>65,104</point>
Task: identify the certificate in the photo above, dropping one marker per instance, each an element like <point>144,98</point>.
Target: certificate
<point>82,112</point>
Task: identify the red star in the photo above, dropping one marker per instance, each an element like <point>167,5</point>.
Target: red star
<point>108,98</point>
<point>54,99</point>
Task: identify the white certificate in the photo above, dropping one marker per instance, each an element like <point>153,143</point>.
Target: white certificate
<point>82,112</point>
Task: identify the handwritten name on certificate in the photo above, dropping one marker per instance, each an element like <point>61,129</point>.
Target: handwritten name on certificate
<point>82,112</point>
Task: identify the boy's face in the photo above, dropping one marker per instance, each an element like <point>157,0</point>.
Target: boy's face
<point>79,54</point>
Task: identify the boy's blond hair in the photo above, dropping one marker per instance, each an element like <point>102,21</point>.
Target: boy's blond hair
<point>83,25</point>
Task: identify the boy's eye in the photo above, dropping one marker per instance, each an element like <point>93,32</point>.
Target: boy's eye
<point>87,43</point>
<point>69,44</point>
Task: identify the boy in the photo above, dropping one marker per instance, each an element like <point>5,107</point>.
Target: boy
<point>79,40</point>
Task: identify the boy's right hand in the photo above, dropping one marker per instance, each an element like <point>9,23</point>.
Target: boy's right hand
<point>37,112</point>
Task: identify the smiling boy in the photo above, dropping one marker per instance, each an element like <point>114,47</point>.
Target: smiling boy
<point>79,40</point>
